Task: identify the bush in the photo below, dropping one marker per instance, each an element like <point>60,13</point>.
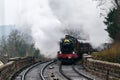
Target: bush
<point>112,54</point>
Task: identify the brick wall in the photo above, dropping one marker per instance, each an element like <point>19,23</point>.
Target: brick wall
<point>107,70</point>
<point>13,65</point>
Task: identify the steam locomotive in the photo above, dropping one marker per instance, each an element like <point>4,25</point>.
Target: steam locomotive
<point>71,49</point>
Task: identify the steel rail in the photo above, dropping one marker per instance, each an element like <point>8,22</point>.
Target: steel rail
<point>77,72</point>
<point>73,67</point>
<point>60,70</point>
<point>43,69</point>
<point>31,67</point>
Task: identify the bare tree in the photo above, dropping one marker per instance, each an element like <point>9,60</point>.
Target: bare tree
<point>112,20</point>
<point>77,33</point>
<point>17,45</point>
<point>3,46</point>
<point>117,2</point>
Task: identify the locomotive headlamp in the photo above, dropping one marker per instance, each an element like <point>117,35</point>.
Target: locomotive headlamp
<point>59,52</point>
<point>73,52</point>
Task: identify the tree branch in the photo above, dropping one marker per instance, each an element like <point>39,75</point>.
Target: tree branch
<point>117,3</point>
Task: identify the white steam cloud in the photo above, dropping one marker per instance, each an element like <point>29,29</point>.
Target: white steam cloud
<point>45,20</point>
<point>43,24</point>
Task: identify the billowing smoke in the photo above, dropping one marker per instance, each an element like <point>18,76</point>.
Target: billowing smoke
<point>43,24</point>
<point>46,21</point>
<point>82,16</point>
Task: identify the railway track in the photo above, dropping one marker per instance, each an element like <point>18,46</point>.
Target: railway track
<point>53,70</point>
<point>70,73</point>
<point>43,70</point>
<point>34,72</point>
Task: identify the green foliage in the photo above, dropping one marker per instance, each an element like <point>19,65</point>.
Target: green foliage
<point>113,27</point>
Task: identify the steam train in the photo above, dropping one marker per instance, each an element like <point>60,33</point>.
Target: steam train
<point>72,49</point>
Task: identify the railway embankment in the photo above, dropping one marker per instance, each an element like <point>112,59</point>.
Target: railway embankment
<point>14,65</point>
<point>103,69</point>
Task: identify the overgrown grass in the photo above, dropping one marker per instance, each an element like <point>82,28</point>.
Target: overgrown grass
<point>112,54</point>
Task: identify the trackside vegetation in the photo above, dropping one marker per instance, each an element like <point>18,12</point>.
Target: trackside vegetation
<point>112,54</point>
<point>112,21</point>
<point>18,44</point>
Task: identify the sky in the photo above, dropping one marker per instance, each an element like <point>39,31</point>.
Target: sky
<point>1,11</point>
<point>45,20</point>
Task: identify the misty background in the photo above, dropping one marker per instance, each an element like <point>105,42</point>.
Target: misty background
<point>47,20</point>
